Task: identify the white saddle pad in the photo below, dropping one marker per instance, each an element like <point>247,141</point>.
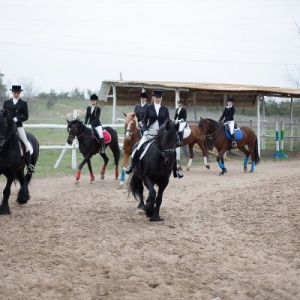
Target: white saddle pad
<point>186,132</point>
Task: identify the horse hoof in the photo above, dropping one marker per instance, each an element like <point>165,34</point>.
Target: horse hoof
<point>102,176</point>
<point>187,169</point>
<point>156,219</point>
<point>208,167</point>
<point>141,206</point>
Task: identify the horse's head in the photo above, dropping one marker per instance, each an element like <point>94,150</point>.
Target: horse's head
<point>7,127</point>
<point>130,124</point>
<point>167,139</point>
<point>75,128</point>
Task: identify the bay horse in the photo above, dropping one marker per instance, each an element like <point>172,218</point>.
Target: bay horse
<point>154,168</point>
<point>191,136</point>
<point>12,161</point>
<point>89,146</point>
<point>131,136</point>
<point>245,136</point>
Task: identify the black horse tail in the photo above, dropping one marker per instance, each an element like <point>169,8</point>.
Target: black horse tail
<point>114,144</point>
<point>256,155</point>
<point>135,186</point>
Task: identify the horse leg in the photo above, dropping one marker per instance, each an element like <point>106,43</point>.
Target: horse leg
<point>204,153</point>
<point>156,217</point>
<point>123,174</point>
<point>23,194</point>
<point>247,154</point>
<point>4,207</point>
<point>85,159</point>
<point>220,161</point>
<point>149,206</point>
<point>92,176</point>
<point>191,152</point>
<point>106,159</point>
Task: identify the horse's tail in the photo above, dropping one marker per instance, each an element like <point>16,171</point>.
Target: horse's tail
<point>114,144</point>
<point>135,186</point>
<point>256,154</point>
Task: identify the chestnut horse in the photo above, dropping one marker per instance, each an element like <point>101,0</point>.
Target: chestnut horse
<point>191,136</point>
<point>244,136</point>
<point>131,136</point>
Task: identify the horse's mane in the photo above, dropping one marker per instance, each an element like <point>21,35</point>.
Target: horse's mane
<point>214,123</point>
<point>168,129</point>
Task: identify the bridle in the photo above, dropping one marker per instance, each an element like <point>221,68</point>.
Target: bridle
<point>130,129</point>
<point>5,137</point>
<point>165,151</point>
<point>73,129</point>
<point>214,134</point>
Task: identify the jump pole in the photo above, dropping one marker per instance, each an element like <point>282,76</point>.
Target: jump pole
<point>278,153</point>
<point>281,140</point>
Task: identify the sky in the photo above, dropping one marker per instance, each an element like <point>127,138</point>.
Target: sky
<point>67,44</point>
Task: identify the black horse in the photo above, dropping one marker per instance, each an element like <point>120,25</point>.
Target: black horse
<point>155,167</point>
<point>89,146</point>
<point>12,161</point>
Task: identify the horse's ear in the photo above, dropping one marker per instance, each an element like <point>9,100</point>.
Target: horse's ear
<point>125,115</point>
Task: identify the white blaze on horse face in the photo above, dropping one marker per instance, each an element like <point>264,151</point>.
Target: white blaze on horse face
<point>127,134</point>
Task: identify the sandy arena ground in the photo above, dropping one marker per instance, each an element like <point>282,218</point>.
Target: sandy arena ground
<point>223,237</point>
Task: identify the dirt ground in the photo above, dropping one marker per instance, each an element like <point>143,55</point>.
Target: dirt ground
<point>223,237</point>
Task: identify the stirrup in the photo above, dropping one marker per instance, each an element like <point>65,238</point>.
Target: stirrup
<point>30,169</point>
<point>129,170</point>
<point>179,174</point>
<point>233,144</point>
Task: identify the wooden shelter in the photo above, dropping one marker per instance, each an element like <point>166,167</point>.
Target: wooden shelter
<point>119,92</point>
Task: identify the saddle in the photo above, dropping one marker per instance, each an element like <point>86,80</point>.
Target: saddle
<point>106,135</point>
<point>238,134</point>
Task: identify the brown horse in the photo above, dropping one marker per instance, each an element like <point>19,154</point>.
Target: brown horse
<point>245,136</point>
<point>131,137</point>
<point>192,135</point>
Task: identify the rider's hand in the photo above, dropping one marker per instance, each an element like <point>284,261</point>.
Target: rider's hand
<point>15,119</point>
<point>89,126</point>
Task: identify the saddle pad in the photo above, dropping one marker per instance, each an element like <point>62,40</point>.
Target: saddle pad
<point>107,136</point>
<point>145,150</point>
<point>186,132</point>
<point>238,134</point>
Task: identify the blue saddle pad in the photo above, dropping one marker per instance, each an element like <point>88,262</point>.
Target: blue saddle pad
<point>238,134</point>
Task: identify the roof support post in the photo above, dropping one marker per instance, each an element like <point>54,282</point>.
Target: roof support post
<point>177,96</point>
<point>292,125</point>
<point>258,122</point>
<point>263,138</point>
<point>114,104</point>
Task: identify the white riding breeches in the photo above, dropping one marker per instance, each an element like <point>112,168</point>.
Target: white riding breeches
<point>23,137</point>
<point>100,131</point>
<point>230,125</point>
<point>181,126</point>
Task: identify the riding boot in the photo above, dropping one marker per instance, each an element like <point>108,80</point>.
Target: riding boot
<point>30,167</point>
<point>134,161</point>
<point>233,142</point>
<point>102,146</point>
<point>180,134</point>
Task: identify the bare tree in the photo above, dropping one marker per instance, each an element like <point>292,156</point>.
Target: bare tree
<point>29,91</point>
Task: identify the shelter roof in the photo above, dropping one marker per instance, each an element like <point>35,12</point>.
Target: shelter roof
<point>194,93</point>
